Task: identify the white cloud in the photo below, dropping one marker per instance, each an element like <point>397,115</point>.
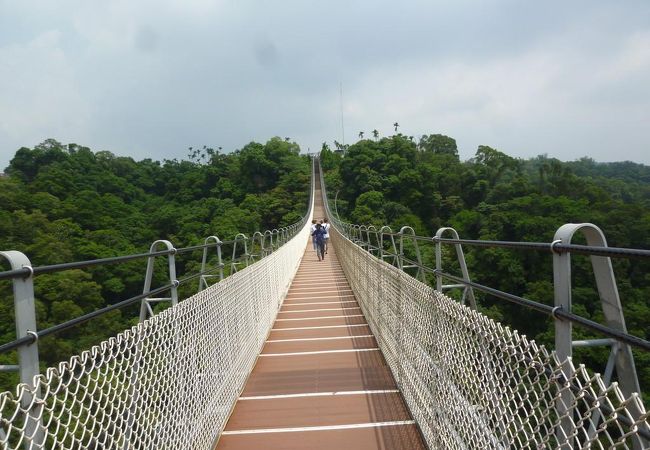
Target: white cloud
<point>150,78</point>
<point>39,94</point>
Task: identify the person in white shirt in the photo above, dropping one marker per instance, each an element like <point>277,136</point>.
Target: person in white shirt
<point>326,225</point>
<point>313,238</point>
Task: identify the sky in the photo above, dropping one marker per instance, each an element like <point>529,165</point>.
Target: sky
<point>148,79</point>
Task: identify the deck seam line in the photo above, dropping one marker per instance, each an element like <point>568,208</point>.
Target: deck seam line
<point>333,289</point>
<point>323,352</point>
<point>318,318</point>
<point>322,309</point>
<point>317,278</point>
<point>321,428</point>
<point>337,271</point>
<point>321,338</point>
<point>322,281</point>
<point>320,394</point>
<point>319,303</point>
<point>323,296</point>
<point>322,327</point>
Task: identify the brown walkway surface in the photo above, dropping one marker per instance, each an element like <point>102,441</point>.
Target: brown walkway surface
<point>320,381</point>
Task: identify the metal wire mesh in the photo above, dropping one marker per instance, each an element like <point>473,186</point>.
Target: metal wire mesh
<point>167,383</point>
<point>470,382</point>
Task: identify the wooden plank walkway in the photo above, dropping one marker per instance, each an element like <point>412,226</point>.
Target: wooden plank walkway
<point>320,381</point>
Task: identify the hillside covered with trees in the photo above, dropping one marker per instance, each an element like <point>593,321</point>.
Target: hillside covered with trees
<point>63,203</point>
<point>397,181</point>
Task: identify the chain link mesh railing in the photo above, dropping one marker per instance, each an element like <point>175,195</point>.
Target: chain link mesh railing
<point>473,383</point>
<point>169,382</point>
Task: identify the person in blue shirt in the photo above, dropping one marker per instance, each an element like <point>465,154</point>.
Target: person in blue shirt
<point>319,234</point>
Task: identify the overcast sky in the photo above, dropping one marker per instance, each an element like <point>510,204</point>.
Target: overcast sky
<point>150,78</point>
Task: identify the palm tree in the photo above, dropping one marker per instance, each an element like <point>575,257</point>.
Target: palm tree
<point>375,134</point>
<point>396,125</point>
<point>360,134</point>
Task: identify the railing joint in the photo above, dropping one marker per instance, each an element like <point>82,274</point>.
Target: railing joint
<point>553,244</point>
<point>30,271</point>
<point>34,336</point>
<point>554,312</point>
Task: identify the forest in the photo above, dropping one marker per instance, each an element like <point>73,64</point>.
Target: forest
<point>62,203</point>
<point>399,181</point>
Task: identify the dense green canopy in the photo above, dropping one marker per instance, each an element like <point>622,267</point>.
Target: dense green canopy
<point>397,181</point>
<point>62,203</point>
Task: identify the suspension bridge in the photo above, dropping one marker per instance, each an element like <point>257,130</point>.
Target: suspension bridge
<point>355,352</point>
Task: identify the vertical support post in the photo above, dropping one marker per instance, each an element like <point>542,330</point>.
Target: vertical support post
<point>387,230</point>
<point>438,251</point>
<point>268,248</point>
<point>234,262</point>
<point>468,291</point>
<point>607,291</point>
<point>145,305</point>
<point>610,302</point>
<point>203,280</point>
<point>257,236</point>
<point>274,241</point>
<point>563,344</point>
<point>362,241</point>
<point>28,361</point>
<point>419,275</point>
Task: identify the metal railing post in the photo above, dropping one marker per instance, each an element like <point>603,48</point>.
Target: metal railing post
<point>28,361</point>
<point>203,280</point>
<point>275,238</point>
<point>611,304</point>
<point>387,230</point>
<point>234,262</point>
<point>607,291</point>
<point>420,273</point>
<point>267,247</point>
<point>468,292</point>
<point>145,306</point>
<point>259,237</point>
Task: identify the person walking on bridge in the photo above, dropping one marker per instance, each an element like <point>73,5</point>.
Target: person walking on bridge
<point>326,225</point>
<point>319,239</point>
<point>313,228</point>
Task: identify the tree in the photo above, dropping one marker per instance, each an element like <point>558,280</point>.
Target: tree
<point>360,134</point>
<point>438,143</point>
<point>396,125</point>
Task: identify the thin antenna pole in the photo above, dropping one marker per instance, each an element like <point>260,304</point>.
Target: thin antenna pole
<point>341,104</point>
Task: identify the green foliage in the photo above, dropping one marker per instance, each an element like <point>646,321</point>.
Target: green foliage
<point>63,203</point>
<point>392,181</point>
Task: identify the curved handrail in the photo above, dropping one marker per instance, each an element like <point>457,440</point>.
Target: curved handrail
<point>468,291</point>
<point>145,306</point>
<point>388,231</point>
<point>259,238</point>
<point>267,243</point>
<point>408,232</point>
<point>237,260</point>
<point>203,279</point>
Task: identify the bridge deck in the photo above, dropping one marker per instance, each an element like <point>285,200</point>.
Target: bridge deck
<point>320,381</point>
